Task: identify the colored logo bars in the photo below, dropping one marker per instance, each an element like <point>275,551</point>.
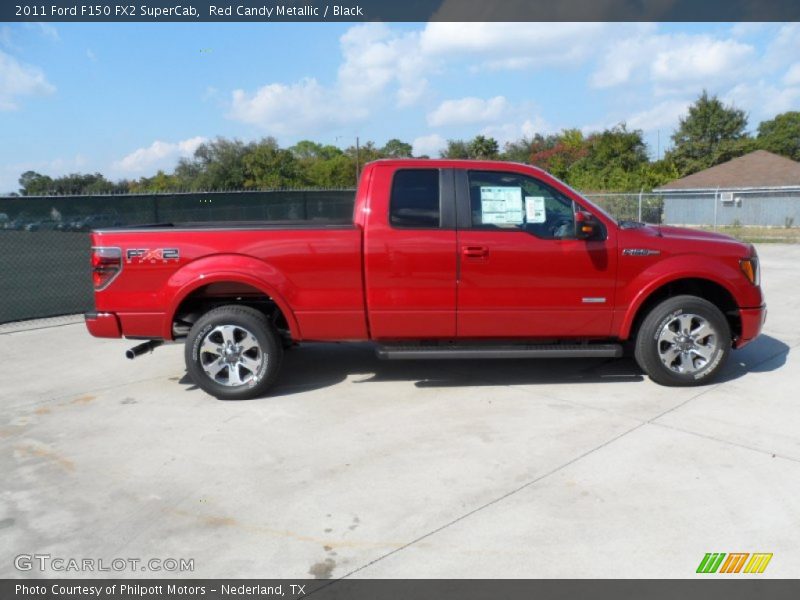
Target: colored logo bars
<point>716,562</point>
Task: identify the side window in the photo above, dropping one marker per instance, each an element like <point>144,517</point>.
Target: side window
<point>414,202</point>
<point>511,201</point>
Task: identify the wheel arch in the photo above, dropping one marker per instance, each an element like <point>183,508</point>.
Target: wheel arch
<point>258,283</point>
<point>704,287</point>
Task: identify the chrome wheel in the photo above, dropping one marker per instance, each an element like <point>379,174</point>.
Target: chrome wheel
<point>687,343</point>
<point>231,355</point>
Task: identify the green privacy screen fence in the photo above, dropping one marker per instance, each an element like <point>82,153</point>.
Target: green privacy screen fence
<point>44,241</point>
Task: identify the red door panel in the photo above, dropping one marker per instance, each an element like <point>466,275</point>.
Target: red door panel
<point>523,286</point>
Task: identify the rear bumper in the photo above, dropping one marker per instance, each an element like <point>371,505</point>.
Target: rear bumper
<point>752,321</point>
<point>103,324</point>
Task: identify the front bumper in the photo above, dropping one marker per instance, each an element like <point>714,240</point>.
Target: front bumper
<point>752,321</point>
<point>103,324</point>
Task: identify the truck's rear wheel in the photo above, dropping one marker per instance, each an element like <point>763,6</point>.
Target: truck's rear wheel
<point>233,353</point>
<point>683,341</point>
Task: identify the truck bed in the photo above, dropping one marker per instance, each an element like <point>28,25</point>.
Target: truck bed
<point>314,268</point>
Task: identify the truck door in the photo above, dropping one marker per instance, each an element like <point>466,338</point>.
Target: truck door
<point>410,256</point>
<point>523,274</point>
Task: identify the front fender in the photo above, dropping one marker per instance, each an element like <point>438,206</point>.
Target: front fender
<point>635,293</point>
<point>235,268</point>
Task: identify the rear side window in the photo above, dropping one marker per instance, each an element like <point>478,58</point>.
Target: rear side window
<point>414,202</point>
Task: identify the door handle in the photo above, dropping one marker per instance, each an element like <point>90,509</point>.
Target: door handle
<point>475,251</point>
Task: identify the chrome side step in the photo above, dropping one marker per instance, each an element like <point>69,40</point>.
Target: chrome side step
<point>444,351</point>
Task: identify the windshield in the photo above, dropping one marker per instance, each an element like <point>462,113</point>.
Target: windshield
<point>594,206</point>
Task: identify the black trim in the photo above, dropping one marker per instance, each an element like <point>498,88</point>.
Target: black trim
<point>463,208</point>
<point>447,202</point>
<point>232,226</point>
<point>459,351</point>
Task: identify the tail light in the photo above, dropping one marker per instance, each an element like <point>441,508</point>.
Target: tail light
<point>106,265</point>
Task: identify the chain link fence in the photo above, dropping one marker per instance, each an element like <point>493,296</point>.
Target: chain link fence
<point>764,208</point>
<point>648,207</point>
<point>44,241</point>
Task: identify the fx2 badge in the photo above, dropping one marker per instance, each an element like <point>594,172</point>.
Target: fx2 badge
<point>146,255</point>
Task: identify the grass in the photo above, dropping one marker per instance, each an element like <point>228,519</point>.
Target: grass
<point>760,235</point>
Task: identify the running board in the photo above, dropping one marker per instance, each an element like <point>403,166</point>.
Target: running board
<point>406,352</point>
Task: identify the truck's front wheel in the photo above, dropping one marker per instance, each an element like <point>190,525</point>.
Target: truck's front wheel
<point>233,353</point>
<point>683,341</point>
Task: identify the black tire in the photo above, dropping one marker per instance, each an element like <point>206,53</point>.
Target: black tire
<point>671,357</point>
<point>251,365</point>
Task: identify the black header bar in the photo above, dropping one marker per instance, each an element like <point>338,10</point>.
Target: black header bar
<point>222,11</point>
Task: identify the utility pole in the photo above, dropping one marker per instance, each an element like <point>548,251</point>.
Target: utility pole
<point>358,160</point>
<point>658,151</point>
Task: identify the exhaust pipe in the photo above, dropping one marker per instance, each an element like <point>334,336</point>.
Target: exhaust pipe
<point>147,346</point>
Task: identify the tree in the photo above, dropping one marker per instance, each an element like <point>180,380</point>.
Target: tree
<point>216,165</point>
<point>478,147</point>
<point>483,147</point>
<point>395,148</point>
<point>35,184</point>
<point>558,154</point>
<point>269,166</point>
<point>336,172</point>
<point>32,183</point>
<point>455,149</point>
<point>306,150</point>
<point>613,160</point>
<point>781,135</point>
<point>520,150</point>
<point>708,135</point>
<point>160,182</point>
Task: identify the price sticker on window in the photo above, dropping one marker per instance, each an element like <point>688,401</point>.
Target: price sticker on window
<point>534,209</point>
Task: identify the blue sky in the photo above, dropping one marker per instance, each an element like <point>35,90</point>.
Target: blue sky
<point>129,99</point>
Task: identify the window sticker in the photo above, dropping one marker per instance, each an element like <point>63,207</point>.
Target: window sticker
<point>534,209</point>
<point>501,205</point>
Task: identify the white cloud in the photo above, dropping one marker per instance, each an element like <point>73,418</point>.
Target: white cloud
<point>692,59</point>
<point>298,108</point>
<point>17,79</point>
<point>513,45</point>
<point>385,68</point>
<point>158,154</point>
<point>375,58</point>
<point>784,48</point>
<point>465,111</point>
<point>792,76</point>
<point>664,115</point>
<point>5,37</point>
<point>673,62</point>
<point>91,55</point>
<point>513,131</point>
<point>763,100</point>
<point>382,66</point>
<point>429,145</point>
<point>48,31</point>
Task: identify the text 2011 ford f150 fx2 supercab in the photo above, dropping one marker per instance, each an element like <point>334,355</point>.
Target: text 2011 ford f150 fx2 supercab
<point>444,258</point>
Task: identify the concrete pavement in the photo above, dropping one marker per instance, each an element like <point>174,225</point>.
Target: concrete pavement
<point>353,466</point>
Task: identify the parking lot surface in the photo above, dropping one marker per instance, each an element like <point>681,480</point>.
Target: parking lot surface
<point>357,467</point>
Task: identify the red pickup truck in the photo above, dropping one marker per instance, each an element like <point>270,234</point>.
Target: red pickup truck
<point>443,259</point>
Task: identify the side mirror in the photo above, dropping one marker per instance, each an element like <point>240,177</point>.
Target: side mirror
<point>586,226</point>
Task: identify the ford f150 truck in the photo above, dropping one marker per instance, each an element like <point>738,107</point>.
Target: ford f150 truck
<point>443,259</point>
